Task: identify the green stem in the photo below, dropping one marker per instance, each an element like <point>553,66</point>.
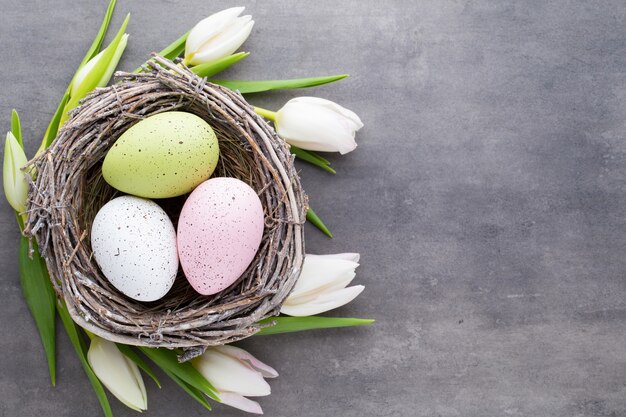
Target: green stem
<point>268,114</point>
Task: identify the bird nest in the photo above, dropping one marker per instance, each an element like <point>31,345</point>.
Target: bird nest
<point>68,190</point>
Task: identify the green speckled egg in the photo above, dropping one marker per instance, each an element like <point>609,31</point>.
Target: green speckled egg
<point>165,155</point>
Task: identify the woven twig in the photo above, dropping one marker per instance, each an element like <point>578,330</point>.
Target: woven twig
<point>69,190</point>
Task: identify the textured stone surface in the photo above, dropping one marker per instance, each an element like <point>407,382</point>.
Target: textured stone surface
<point>487,197</point>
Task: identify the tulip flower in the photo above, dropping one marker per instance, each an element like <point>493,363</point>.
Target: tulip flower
<point>88,68</point>
<point>217,36</point>
<point>317,124</point>
<point>322,284</point>
<point>15,185</point>
<point>236,374</point>
<point>118,373</point>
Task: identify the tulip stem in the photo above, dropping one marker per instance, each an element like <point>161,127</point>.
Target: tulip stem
<point>268,114</point>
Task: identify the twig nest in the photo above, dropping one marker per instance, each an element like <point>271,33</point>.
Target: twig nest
<point>69,190</point>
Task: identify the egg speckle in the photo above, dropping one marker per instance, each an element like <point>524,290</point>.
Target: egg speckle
<point>164,155</point>
<point>134,243</point>
<point>219,232</point>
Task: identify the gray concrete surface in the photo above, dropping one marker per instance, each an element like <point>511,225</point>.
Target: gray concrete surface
<point>487,197</point>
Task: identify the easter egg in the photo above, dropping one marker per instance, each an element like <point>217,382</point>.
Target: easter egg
<point>165,155</point>
<point>219,231</point>
<point>134,243</point>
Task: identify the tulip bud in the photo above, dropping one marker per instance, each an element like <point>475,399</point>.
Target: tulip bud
<point>322,285</point>
<point>87,69</point>
<point>15,185</point>
<point>317,124</point>
<point>236,374</point>
<point>118,373</point>
<point>217,36</point>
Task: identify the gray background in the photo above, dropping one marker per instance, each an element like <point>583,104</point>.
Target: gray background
<point>487,197</point>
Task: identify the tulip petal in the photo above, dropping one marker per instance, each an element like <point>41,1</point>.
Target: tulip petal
<point>348,256</point>
<point>324,287</point>
<point>240,402</point>
<point>207,29</point>
<point>324,303</point>
<point>15,185</point>
<point>265,370</point>
<point>83,72</point>
<point>229,374</point>
<point>135,370</point>
<point>331,105</point>
<point>320,271</point>
<point>225,43</point>
<point>86,69</point>
<point>317,126</point>
<point>117,373</point>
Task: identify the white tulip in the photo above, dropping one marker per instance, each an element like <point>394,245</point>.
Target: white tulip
<point>118,373</point>
<point>236,374</point>
<point>86,69</point>
<point>15,185</point>
<point>317,124</point>
<point>322,284</point>
<point>217,36</point>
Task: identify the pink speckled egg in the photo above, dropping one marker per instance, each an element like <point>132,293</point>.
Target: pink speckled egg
<point>219,231</point>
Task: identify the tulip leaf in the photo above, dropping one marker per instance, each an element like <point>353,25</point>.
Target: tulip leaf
<point>16,127</point>
<point>81,350</point>
<point>317,222</point>
<point>55,123</point>
<point>53,127</point>
<point>312,158</point>
<point>168,361</point>
<point>130,354</point>
<point>174,49</point>
<point>193,392</point>
<point>248,86</point>
<point>212,68</point>
<point>95,75</point>
<point>298,324</point>
<point>39,295</point>
<point>97,42</point>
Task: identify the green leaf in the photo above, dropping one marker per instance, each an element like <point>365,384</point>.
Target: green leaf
<point>39,295</point>
<point>212,68</point>
<point>81,350</point>
<point>130,354</point>
<point>298,324</point>
<point>53,127</point>
<point>97,42</point>
<point>55,123</point>
<point>246,86</point>
<point>174,49</point>
<point>168,361</point>
<point>194,393</point>
<point>312,158</point>
<point>16,127</point>
<point>317,222</point>
<point>92,79</point>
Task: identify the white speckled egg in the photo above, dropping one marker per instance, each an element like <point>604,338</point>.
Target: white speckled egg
<point>219,231</point>
<point>134,243</point>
